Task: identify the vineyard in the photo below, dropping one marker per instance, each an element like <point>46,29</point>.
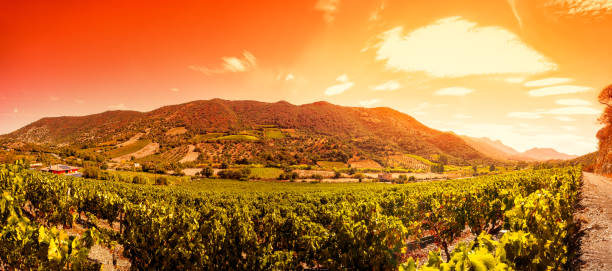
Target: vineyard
<point>255,226</point>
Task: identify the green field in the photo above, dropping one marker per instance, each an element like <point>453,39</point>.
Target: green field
<point>205,137</point>
<point>238,137</point>
<point>265,173</point>
<point>421,159</point>
<point>273,133</point>
<point>128,149</point>
<point>331,165</point>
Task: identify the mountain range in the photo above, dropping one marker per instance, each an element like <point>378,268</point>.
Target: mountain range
<point>497,150</point>
<point>229,131</point>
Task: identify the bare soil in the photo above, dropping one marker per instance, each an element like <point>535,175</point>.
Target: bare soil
<point>191,155</point>
<point>147,150</point>
<point>131,141</point>
<point>595,216</point>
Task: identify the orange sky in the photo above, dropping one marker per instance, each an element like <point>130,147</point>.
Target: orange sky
<point>525,72</point>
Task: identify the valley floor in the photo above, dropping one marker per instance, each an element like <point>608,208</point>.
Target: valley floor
<point>596,214</point>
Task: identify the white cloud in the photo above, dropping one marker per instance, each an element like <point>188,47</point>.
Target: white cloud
<point>389,85</point>
<point>230,64</point>
<point>573,102</point>
<point>574,110</point>
<point>455,47</point>
<point>117,107</point>
<point>369,103</point>
<point>524,115</point>
<point>342,78</point>
<point>462,116</point>
<point>548,82</point>
<point>583,7</point>
<point>289,77</point>
<point>557,90</point>
<point>329,8</point>
<point>174,89</point>
<point>565,118</point>
<point>454,91</point>
<point>339,88</point>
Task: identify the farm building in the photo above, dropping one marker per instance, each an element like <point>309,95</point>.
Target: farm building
<point>61,169</point>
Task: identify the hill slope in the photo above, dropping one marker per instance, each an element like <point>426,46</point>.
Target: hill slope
<point>373,132</point>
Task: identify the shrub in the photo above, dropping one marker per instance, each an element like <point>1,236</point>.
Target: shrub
<point>207,172</point>
<point>161,180</point>
<point>91,172</point>
<point>139,180</point>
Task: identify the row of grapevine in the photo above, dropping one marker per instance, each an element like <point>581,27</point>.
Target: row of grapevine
<point>165,228</point>
<point>539,231</point>
<point>25,244</point>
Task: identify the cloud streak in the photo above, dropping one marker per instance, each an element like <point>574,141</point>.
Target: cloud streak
<point>547,82</point>
<point>582,7</point>
<point>329,8</point>
<point>558,90</point>
<point>244,63</point>
<point>388,86</point>
<point>344,84</point>
<point>454,91</point>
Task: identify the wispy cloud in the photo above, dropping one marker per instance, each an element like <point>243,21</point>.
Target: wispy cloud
<point>389,85</point>
<point>557,90</point>
<point>53,98</point>
<point>329,8</point>
<point>524,115</point>
<point>582,7</point>
<point>454,91</point>
<point>289,77</point>
<point>15,110</point>
<point>79,101</point>
<point>573,102</point>
<point>175,90</point>
<point>474,50</point>
<point>369,103</point>
<point>518,18</point>
<point>375,15</point>
<point>343,85</point>
<point>244,63</point>
<point>547,82</point>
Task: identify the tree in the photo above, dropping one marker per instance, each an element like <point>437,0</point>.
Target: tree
<point>437,168</point>
<point>492,168</point>
<point>359,176</point>
<point>207,172</point>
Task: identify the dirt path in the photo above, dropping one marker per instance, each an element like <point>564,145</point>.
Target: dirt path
<point>596,213</point>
